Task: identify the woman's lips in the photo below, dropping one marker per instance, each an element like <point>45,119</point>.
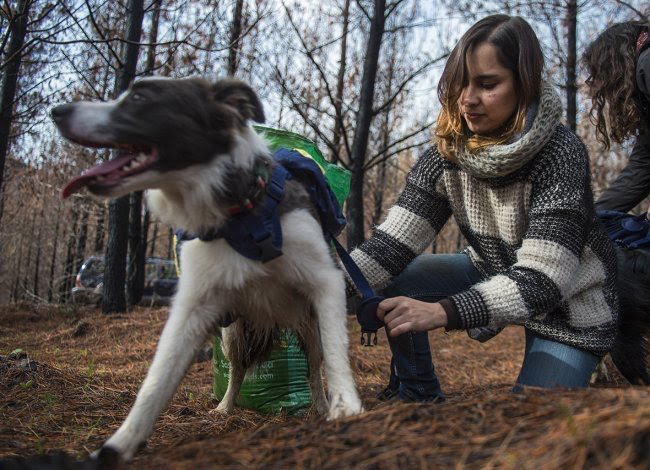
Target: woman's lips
<point>473,116</point>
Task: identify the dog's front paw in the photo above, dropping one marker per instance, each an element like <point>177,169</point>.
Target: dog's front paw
<point>105,458</point>
<point>344,404</point>
<point>224,408</point>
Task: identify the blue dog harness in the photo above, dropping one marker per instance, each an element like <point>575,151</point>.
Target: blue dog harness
<point>257,234</point>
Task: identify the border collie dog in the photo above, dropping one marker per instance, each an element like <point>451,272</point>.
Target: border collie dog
<point>188,142</point>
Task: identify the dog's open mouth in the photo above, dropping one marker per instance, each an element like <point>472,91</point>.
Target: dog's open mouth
<point>131,160</point>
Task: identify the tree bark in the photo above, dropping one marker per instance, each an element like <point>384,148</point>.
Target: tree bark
<point>137,235</point>
<point>68,267</point>
<point>356,229</point>
<point>55,246</point>
<point>571,87</point>
<point>82,237</point>
<point>114,299</point>
<point>18,27</point>
<point>340,86</point>
<point>100,229</point>
<point>135,269</point>
<point>235,33</point>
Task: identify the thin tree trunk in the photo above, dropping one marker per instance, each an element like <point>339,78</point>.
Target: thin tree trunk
<point>340,82</point>
<point>17,265</point>
<point>154,238</point>
<point>27,261</point>
<point>82,237</point>
<point>137,237</point>
<point>55,246</point>
<point>571,87</point>
<point>68,267</point>
<point>100,228</point>
<point>356,229</point>
<point>235,33</point>
<point>380,184</point>
<point>113,299</point>
<point>135,269</point>
<point>18,27</point>
<point>170,244</point>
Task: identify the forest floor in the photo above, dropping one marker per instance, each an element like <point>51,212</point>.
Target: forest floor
<point>84,370</point>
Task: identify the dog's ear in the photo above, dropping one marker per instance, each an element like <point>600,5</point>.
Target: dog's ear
<point>241,97</point>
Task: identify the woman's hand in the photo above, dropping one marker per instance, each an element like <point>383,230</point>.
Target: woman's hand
<point>403,314</point>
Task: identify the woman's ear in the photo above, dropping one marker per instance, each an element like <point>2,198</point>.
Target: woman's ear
<point>239,96</point>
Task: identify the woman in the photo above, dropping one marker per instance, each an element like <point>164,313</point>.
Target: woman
<point>618,63</point>
<point>517,182</point>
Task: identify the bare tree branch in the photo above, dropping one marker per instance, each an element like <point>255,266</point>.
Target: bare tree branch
<point>380,156</point>
<point>640,14</point>
<point>406,81</point>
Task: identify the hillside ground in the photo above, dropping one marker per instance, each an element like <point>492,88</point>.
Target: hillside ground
<point>84,369</point>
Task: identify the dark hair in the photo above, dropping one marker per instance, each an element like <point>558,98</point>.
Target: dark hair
<point>517,49</point>
<point>611,66</point>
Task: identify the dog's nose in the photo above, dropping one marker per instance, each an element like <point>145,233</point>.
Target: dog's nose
<point>60,112</point>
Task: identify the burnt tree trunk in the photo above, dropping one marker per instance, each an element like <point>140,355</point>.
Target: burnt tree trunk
<point>571,87</point>
<point>68,267</point>
<point>355,212</point>
<point>100,228</point>
<point>137,228</point>
<point>18,27</point>
<point>55,246</point>
<point>135,269</point>
<point>27,261</point>
<point>82,237</point>
<point>154,239</point>
<point>340,86</point>
<point>114,299</point>
<point>235,36</point>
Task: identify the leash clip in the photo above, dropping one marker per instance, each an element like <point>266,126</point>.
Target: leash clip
<point>369,338</point>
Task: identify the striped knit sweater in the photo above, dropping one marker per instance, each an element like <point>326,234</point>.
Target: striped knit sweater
<point>526,209</point>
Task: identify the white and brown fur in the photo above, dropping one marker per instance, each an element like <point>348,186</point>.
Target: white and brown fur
<point>206,154</point>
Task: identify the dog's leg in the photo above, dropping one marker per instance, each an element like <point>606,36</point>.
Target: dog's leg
<point>185,331</point>
<point>312,344</point>
<point>329,304</point>
<point>237,370</point>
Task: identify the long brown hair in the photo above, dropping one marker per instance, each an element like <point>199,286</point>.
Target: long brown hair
<point>518,50</point>
<point>616,102</point>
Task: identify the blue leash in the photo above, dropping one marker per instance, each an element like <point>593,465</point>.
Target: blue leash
<point>367,311</point>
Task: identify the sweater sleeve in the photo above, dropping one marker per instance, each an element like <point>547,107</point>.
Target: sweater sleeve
<point>410,226</point>
<point>548,260</point>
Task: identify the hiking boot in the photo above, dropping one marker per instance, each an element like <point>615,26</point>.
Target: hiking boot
<point>392,390</point>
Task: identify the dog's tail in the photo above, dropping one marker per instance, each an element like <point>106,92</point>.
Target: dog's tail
<point>631,352</point>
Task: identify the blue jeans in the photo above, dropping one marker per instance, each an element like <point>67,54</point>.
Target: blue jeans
<point>430,278</point>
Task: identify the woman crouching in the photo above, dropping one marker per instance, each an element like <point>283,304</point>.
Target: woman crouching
<point>518,184</point>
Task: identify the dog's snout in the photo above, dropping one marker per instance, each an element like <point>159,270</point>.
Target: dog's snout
<point>60,112</point>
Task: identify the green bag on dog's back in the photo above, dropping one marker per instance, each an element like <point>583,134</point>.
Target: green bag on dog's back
<point>280,384</point>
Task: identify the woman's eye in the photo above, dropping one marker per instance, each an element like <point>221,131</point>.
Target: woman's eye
<point>488,86</point>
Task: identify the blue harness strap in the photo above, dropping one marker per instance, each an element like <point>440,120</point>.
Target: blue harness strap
<point>257,234</point>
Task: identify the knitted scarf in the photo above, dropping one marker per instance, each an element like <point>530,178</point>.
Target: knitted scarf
<point>500,160</point>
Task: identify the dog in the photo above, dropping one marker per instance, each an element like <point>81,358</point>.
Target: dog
<point>190,144</point>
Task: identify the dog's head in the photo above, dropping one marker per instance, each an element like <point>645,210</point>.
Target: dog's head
<point>158,125</point>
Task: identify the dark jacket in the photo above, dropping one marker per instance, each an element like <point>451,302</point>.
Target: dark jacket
<point>633,184</point>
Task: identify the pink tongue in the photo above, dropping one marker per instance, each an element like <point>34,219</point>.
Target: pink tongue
<point>104,169</point>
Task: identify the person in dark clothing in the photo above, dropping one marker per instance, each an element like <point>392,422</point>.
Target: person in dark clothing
<point>618,64</point>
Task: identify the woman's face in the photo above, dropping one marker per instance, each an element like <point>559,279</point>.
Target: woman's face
<point>489,99</point>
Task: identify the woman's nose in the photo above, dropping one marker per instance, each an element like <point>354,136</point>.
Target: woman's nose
<point>469,96</point>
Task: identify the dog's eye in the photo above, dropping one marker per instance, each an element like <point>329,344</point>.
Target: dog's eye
<point>137,97</point>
